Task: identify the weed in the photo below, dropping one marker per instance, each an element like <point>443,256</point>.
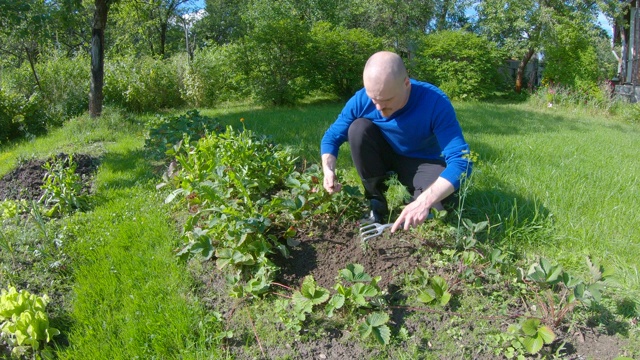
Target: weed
<point>62,187</point>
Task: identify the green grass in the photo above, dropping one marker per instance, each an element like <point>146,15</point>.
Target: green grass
<point>578,172</point>
<point>130,297</point>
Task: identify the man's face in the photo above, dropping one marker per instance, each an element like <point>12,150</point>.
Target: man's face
<point>388,98</point>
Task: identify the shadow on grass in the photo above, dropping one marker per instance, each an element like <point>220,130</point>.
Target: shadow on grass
<point>603,317</point>
<point>126,170</point>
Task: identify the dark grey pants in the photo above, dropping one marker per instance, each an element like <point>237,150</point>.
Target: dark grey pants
<point>374,158</point>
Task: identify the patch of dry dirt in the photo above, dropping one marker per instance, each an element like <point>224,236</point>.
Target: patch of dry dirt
<point>25,181</point>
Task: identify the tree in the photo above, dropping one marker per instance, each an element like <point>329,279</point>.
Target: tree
<point>521,26</point>
<point>450,15</point>
<point>149,22</point>
<point>223,22</point>
<point>23,25</point>
<point>97,56</point>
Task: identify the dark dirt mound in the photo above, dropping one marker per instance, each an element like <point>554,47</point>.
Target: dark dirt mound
<point>25,181</point>
<point>323,251</point>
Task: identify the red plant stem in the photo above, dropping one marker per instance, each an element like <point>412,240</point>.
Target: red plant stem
<point>255,333</point>
<point>281,295</point>
<point>282,285</point>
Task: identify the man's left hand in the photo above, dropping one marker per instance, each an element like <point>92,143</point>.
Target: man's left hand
<point>412,215</point>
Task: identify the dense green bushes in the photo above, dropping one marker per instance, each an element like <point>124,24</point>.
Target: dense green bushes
<point>28,107</point>
<point>142,84</point>
<point>462,64</point>
<point>21,116</point>
<point>215,75</point>
<point>338,57</point>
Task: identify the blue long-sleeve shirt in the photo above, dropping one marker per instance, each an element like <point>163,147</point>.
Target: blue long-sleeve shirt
<point>425,128</point>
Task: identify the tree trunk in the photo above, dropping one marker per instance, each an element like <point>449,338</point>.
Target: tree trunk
<point>521,67</point>
<point>97,57</point>
<point>163,39</point>
<point>33,69</point>
<point>624,52</point>
<point>635,52</point>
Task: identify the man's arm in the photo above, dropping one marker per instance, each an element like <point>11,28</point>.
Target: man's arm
<point>417,211</point>
<point>330,181</point>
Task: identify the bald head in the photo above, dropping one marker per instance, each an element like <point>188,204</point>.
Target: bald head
<point>385,66</point>
<point>386,82</point>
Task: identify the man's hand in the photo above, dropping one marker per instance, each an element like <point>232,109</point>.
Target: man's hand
<point>412,215</point>
<point>417,212</point>
<point>330,182</point>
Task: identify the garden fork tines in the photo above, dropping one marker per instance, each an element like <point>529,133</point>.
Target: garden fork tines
<point>372,230</point>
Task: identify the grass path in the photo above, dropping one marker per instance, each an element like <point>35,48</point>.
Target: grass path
<point>131,296</point>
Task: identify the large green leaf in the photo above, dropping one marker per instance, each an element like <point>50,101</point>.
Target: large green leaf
<point>382,334</point>
<point>530,327</point>
<point>336,302</point>
<point>427,296</point>
<point>355,273</point>
<point>316,294</point>
<point>532,344</point>
<point>377,319</point>
<point>546,334</point>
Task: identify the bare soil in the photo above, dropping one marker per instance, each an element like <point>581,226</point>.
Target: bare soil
<point>25,181</point>
<point>324,249</point>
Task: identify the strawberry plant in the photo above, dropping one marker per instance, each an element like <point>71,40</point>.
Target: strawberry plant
<point>244,196</point>
<point>375,324</point>
<point>356,295</point>
<point>309,295</point>
<point>24,324</point>
<point>532,334</point>
<point>426,289</point>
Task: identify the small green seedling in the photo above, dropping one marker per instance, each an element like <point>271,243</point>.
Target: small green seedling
<point>376,324</point>
<point>532,334</point>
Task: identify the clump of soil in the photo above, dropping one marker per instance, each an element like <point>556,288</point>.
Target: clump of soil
<point>324,250</point>
<point>26,180</point>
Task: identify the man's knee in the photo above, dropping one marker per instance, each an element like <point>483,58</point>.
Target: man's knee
<point>358,128</point>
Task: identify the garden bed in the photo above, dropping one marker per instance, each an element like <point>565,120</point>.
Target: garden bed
<point>322,248</point>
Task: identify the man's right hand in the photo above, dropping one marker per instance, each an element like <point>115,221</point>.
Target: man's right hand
<point>330,181</point>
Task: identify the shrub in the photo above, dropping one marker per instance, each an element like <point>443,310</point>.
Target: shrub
<point>339,57</point>
<point>462,64</point>
<point>214,76</point>
<point>21,116</point>
<point>571,60</point>
<point>65,82</point>
<point>278,62</point>
<point>142,84</point>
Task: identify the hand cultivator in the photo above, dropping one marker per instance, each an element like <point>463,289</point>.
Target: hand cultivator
<point>372,230</point>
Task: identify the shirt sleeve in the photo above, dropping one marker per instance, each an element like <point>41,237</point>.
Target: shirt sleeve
<point>455,149</point>
<point>338,132</point>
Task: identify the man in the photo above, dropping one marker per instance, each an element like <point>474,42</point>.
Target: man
<point>397,124</point>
